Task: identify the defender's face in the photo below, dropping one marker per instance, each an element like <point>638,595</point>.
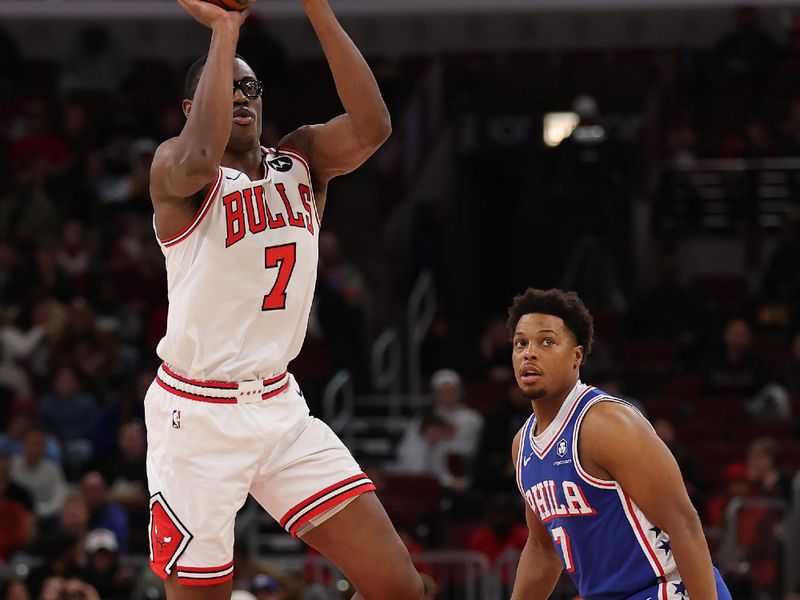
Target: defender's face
<point>545,357</point>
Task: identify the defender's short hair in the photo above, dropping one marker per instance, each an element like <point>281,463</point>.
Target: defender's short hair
<point>565,305</point>
<point>193,75</point>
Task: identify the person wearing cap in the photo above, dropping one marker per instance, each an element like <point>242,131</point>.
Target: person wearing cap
<point>265,587</point>
<point>103,571</point>
<point>466,422</point>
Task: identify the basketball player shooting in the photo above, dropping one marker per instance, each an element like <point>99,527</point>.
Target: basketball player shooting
<point>238,225</point>
<point>604,497</point>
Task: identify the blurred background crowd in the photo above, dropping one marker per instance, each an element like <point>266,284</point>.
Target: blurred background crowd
<point>671,204</point>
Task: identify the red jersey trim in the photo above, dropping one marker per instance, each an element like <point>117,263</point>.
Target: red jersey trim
<point>642,536</point>
<point>199,216</point>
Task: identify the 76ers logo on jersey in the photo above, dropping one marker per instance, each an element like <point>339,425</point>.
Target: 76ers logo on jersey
<point>561,449</point>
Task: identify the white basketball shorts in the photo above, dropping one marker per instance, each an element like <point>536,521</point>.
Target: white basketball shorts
<point>212,443</point>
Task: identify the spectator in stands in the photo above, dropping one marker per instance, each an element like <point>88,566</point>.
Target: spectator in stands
<point>500,531</point>
<point>16,520</point>
<point>37,152</point>
<point>421,451</point>
<point>17,345</point>
<point>73,588</point>
<point>61,551</point>
<point>14,590</point>
<point>764,470</point>
<point>11,440</point>
<point>735,484</point>
<point>71,414</point>
<point>125,471</point>
<point>466,422</point>
<point>74,517</point>
<point>734,369</point>
<point>43,478</point>
<point>103,571</point>
<point>747,53</point>
<point>14,490</point>
<point>695,486</point>
<point>103,512</point>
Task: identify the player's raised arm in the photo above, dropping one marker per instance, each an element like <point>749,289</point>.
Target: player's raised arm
<point>617,441</point>
<point>184,165</point>
<point>539,566</point>
<point>345,142</point>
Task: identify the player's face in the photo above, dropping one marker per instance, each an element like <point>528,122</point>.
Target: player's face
<point>246,131</point>
<point>545,357</point>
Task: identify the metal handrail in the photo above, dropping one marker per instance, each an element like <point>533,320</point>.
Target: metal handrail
<point>421,310</point>
<point>386,361</point>
<point>340,384</point>
<point>729,544</point>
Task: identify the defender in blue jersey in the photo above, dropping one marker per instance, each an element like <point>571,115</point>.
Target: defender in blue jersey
<point>604,497</point>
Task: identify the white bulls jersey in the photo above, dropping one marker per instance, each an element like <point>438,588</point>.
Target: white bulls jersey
<point>241,274</point>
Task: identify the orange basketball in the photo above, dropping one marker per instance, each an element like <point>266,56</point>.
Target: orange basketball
<point>232,4</point>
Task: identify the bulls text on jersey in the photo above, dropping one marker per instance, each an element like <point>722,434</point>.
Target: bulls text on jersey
<point>248,210</point>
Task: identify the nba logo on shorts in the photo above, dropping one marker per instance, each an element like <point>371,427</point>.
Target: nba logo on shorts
<point>561,449</point>
<point>176,419</point>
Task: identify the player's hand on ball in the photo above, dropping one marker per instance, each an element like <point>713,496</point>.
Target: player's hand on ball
<point>209,13</point>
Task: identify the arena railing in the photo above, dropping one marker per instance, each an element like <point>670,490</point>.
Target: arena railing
<point>730,550</point>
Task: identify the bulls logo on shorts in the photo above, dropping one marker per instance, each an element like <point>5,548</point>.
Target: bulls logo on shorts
<point>168,537</point>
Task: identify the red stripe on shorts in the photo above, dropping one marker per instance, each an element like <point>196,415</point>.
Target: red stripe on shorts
<point>299,507</point>
<point>329,504</point>
<point>205,569</point>
<point>208,581</point>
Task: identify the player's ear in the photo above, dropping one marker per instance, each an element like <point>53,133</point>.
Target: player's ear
<point>187,107</point>
<point>578,357</point>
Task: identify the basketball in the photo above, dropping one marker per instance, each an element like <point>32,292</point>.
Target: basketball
<point>232,4</point>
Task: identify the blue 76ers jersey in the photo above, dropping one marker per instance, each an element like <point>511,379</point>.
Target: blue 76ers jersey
<point>606,544</point>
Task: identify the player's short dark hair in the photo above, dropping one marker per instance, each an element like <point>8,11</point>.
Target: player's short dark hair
<point>193,75</point>
<point>565,305</point>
